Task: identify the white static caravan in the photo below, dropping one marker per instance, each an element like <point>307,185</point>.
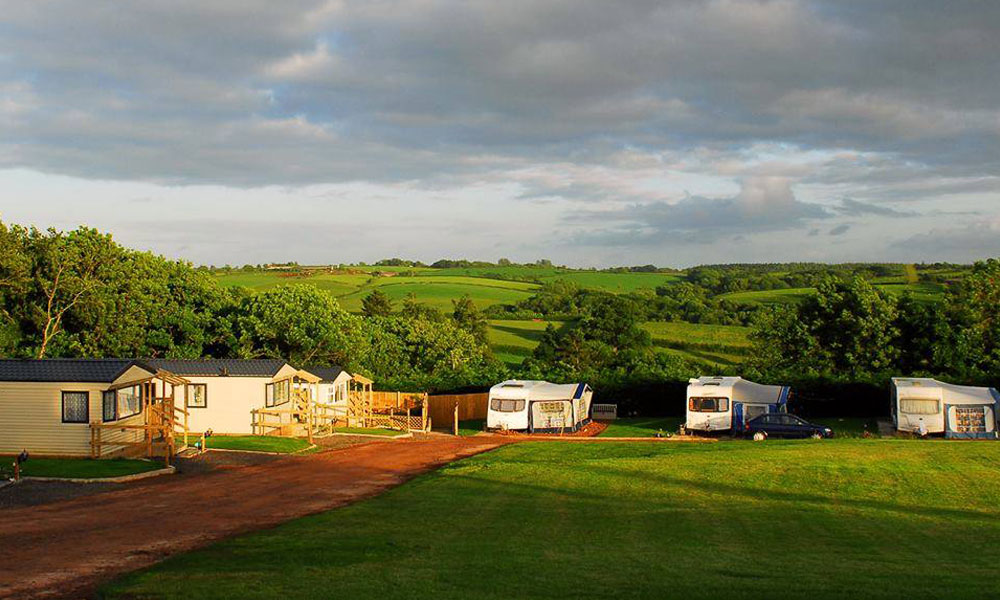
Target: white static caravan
<point>538,406</point>
<point>727,403</point>
<point>957,411</point>
<point>333,388</point>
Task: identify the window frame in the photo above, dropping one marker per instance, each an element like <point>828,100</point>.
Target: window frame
<point>113,394</point>
<point>62,406</point>
<point>136,394</point>
<point>204,395</point>
<point>936,411</point>
<point>718,404</point>
<point>518,405</point>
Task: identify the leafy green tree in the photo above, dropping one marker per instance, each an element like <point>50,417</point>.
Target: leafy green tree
<point>971,338</point>
<point>299,323</point>
<point>846,328</point>
<point>413,309</point>
<point>376,304</point>
<point>469,318</point>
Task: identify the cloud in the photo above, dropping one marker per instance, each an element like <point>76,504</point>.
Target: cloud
<point>407,89</point>
<point>973,241</point>
<point>643,113</point>
<point>840,229</point>
<point>763,204</point>
<point>856,208</point>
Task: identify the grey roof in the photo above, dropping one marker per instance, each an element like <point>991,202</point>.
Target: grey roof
<point>90,370</point>
<point>325,373</point>
<point>231,367</point>
<point>106,370</point>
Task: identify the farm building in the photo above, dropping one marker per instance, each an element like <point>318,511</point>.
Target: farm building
<point>103,407</point>
<point>957,411</point>
<point>727,403</point>
<point>538,406</point>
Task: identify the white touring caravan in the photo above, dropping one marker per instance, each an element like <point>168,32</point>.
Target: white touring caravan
<point>538,406</point>
<point>727,403</point>
<point>957,411</point>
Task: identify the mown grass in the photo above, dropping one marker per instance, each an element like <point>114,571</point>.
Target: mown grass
<point>471,427</point>
<point>641,426</point>
<point>82,468</point>
<point>782,519</point>
<point>255,443</point>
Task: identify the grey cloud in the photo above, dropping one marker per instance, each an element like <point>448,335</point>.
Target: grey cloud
<point>840,229</point>
<point>967,243</point>
<point>856,208</point>
<point>251,93</point>
<point>763,205</point>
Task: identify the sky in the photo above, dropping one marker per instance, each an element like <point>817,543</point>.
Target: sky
<point>590,133</point>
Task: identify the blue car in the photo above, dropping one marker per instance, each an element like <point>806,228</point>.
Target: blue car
<point>781,425</point>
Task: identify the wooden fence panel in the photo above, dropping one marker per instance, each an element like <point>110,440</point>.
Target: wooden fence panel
<point>400,400</point>
<point>442,408</point>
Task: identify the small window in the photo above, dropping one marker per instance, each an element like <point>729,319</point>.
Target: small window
<point>914,406</point>
<point>109,405</point>
<point>502,405</point>
<point>129,402</point>
<point>281,392</point>
<point>75,407</point>
<point>197,395</point>
<point>708,404</point>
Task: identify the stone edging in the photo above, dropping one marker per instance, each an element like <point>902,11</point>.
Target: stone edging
<point>119,479</point>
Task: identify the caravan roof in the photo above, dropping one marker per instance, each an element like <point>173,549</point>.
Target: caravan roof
<point>949,392</point>
<point>738,389</point>
<point>537,390</point>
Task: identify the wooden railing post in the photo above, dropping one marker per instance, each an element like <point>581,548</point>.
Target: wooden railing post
<point>456,417</point>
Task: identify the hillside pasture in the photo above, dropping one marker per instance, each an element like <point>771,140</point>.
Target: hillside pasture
<point>879,519</point>
<point>430,289</point>
<point>719,345</point>
<point>513,341</point>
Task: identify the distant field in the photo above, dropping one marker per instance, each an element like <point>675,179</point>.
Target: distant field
<point>430,288</point>
<point>924,291</point>
<point>722,345</point>
<point>787,296</point>
<point>513,341</point>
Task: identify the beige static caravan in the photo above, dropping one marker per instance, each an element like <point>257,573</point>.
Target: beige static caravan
<point>47,406</point>
<point>223,392</point>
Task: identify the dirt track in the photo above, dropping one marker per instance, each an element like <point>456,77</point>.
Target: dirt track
<point>65,549</point>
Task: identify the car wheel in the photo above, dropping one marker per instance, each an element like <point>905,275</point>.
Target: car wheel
<point>816,436</point>
<point>759,436</point>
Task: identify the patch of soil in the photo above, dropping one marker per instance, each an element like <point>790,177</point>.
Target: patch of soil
<point>32,492</point>
<point>591,429</point>
<point>65,549</point>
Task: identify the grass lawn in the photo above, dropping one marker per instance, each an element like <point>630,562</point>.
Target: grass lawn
<point>848,427</point>
<point>83,468</point>
<point>641,426</point>
<point>257,443</point>
<point>471,427</point>
<point>368,431</point>
<point>780,519</point>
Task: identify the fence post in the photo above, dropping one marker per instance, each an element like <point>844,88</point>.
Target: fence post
<point>456,417</point>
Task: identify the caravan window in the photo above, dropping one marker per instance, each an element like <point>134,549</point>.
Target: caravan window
<point>917,406</point>
<point>501,405</point>
<point>708,404</point>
